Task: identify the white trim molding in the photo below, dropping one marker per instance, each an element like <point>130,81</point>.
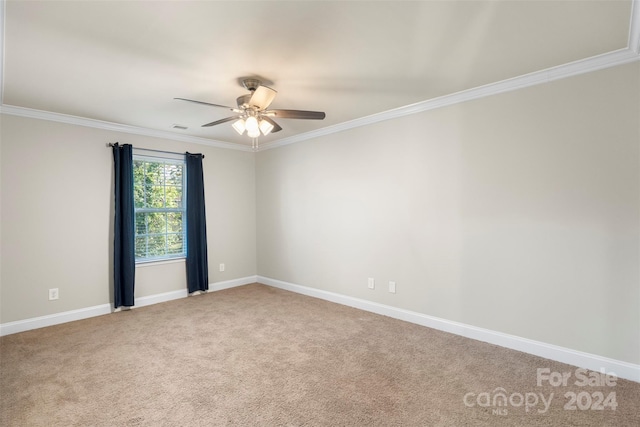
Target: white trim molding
<point>102,309</point>
<point>611,59</point>
<point>634,27</point>
<point>580,359</point>
<point>227,284</point>
<point>3,12</point>
<point>599,62</point>
<point>116,127</point>
<point>595,63</point>
<point>593,362</point>
<point>54,319</point>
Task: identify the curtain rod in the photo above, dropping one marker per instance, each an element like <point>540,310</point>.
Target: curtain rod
<point>156,151</point>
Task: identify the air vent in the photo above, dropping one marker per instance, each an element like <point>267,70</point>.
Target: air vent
<point>181,127</point>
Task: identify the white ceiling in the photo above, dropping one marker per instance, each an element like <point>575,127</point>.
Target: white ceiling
<point>124,61</point>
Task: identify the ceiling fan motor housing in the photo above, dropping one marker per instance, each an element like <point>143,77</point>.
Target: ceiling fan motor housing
<point>243,101</point>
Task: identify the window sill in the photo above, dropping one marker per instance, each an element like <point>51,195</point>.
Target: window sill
<point>142,264</point>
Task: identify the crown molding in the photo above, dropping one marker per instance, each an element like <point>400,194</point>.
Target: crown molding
<point>634,27</point>
<point>2,38</point>
<point>595,63</point>
<point>116,127</point>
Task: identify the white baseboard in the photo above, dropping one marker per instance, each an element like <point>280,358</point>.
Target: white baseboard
<point>158,298</point>
<point>580,359</point>
<point>102,309</point>
<point>218,286</point>
<point>593,362</point>
<point>54,319</point>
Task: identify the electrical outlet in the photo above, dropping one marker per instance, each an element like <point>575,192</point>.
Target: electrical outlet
<point>221,267</point>
<point>372,283</point>
<point>53,294</point>
<point>392,287</point>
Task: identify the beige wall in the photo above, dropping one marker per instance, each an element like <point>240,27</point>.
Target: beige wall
<point>518,213</point>
<point>56,217</point>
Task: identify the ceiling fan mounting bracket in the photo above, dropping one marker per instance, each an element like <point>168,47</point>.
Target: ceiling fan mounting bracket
<point>251,84</point>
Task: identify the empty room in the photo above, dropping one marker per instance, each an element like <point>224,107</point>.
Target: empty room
<point>320,213</point>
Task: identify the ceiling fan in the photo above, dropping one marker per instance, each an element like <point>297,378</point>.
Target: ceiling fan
<point>252,113</point>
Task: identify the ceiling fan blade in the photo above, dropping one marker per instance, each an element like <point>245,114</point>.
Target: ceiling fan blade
<point>218,122</point>
<point>298,114</point>
<point>276,127</point>
<point>262,97</point>
<point>205,103</point>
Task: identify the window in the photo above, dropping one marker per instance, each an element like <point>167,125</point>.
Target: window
<point>159,201</point>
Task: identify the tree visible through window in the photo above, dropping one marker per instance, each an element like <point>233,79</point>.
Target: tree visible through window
<point>160,217</point>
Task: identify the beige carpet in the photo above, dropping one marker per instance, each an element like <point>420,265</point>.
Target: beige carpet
<point>258,356</point>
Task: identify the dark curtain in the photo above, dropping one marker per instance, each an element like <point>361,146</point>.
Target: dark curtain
<point>197,265</point>
<point>124,261</point>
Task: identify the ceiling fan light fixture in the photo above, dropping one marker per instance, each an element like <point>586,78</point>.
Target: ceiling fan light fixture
<point>251,123</point>
<point>239,126</point>
<point>253,133</point>
<point>265,127</point>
